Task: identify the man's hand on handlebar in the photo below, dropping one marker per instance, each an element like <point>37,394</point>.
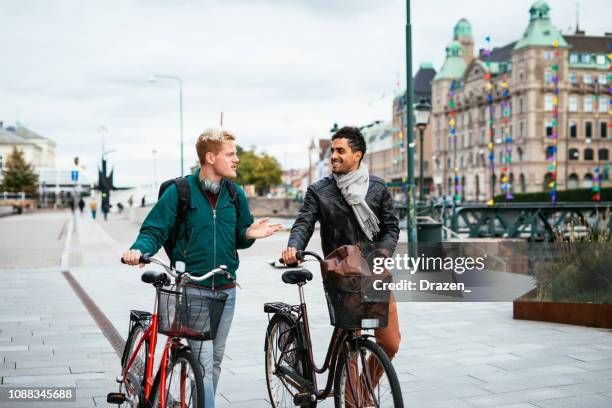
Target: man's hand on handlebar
<point>132,257</point>
<point>289,256</point>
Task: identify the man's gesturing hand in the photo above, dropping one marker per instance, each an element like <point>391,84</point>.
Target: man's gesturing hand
<point>261,229</point>
<point>132,257</point>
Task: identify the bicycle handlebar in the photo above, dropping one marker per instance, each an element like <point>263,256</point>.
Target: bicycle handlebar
<point>147,259</point>
<point>299,254</point>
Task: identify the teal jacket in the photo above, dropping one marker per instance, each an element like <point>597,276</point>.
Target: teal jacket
<point>208,238</point>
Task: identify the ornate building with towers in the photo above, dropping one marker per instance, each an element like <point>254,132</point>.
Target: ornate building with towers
<point>532,115</point>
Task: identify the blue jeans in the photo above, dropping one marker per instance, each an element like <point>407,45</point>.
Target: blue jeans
<point>210,353</point>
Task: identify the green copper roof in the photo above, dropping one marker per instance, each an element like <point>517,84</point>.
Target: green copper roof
<point>454,65</point>
<point>463,28</point>
<point>426,65</point>
<point>540,31</point>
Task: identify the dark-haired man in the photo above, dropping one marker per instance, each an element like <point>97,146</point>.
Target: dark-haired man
<point>352,207</point>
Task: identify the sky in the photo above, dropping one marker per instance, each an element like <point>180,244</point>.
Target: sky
<point>282,72</point>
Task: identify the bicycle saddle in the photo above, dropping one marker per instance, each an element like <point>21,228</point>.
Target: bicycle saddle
<point>154,277</point>
<point>297,276</point>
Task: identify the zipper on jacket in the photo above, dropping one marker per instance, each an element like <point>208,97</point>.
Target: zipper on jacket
<point>214,242</point>
<point>188,242</point>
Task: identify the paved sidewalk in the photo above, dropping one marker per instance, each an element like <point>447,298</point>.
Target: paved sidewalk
<point>452,354</point>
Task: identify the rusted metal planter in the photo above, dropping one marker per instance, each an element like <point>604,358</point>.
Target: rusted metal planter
<point>581,314</point>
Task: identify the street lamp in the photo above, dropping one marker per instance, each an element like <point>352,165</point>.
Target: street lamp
<point>421,119</point>
<point>411,207</point>
<point>153,79</point>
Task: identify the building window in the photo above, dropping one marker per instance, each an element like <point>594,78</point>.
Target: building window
<point>602,79</point>
<point>519,153</point>
<point>588,154</point>
<point>1,162</point>
<point>573,130</point>
<point>549,128</point>
<point>522,130</point>
<point>603,155</point>
<point>573,181</point>
<point>548,56</point>
<point>588,181</point>
<point>603,103</point>
<point>587,79</point>
<point>586,58</point>
<point>548,76</point>
<point>548,103</point>
<point>521,102</point>
<point>588,103</point>
<point>470,139</point>
<point>601,59</point>
<point>572,78</point>
<point>573,103</point>
<point>523,184</point>
<point>603,130</point>
<point>588,130</point>
<point>483,137</point>
<point>574,154</point>
<point>573,58</point>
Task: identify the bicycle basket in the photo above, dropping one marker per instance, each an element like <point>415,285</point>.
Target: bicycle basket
<point>192,312</point>
<point>353,302</point>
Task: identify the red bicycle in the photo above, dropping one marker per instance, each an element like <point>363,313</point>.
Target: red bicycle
<point>182,311</point>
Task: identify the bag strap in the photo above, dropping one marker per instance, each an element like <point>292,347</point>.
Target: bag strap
<point>184,199</point>
<point>234,197</point>
<point>182,206</point>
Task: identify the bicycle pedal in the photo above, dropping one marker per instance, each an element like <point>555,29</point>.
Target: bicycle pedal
<point>115,398</point>
<point>304,398</point>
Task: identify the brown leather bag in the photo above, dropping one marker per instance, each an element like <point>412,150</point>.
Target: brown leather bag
<point>349,289</point>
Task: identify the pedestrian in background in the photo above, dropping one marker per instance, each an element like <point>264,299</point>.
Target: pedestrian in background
<point>131,201</point>
<point>81,205</point>
<point>105,210</point>
<point>93,206</point>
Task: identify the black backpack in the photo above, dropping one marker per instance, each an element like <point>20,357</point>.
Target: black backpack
<point>184,201</point>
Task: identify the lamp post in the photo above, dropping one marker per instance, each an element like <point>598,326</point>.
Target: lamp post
<point>421,119</point>
<point>410,203</point>
<point>153,79</point>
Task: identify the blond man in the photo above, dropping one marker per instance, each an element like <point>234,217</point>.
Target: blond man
<point>217,223</point>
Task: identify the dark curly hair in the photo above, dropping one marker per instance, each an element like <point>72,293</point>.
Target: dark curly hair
<point>354,137</point>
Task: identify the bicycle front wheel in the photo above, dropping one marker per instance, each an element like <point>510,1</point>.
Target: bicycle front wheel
<point>184,383</point>
<point>365,377</point>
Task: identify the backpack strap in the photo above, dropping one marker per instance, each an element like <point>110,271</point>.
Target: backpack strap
<point>184,199</point>
<point>234,197</point>
<point>182,206</point>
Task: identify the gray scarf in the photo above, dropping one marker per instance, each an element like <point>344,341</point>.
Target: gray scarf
<point>354,187</point>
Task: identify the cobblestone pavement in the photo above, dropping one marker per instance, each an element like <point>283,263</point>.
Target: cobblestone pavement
<point>452,354</point>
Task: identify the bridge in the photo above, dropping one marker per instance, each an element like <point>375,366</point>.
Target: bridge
<point>531,221</point>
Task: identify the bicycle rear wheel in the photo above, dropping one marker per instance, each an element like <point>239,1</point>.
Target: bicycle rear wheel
<point>365,377</point>
<point>133,383</point>
<point>283,348</point>
<point>184,383</point>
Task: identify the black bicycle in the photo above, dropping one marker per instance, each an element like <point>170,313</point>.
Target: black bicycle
<point>359,371</point>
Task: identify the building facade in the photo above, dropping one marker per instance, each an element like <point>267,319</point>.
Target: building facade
<point>37,150</point>
<point>495,113</point>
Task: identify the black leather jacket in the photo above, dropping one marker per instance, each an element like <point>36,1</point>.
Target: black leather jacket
<point>324,203</point>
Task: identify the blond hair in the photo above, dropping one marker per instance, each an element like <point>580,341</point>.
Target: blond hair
<point>211,140</point>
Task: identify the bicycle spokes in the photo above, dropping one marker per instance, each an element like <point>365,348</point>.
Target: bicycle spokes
<point>362,383</point>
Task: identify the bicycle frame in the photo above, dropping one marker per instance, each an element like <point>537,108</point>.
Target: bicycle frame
<point>338,337</point>
<point>151,334</point>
